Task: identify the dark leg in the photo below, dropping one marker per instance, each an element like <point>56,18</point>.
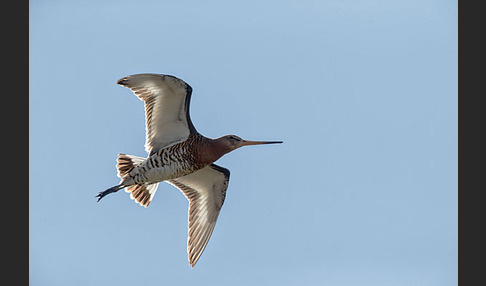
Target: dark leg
<point>109,191</point>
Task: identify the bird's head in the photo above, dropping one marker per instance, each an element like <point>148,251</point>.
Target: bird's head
<point>233,142</point>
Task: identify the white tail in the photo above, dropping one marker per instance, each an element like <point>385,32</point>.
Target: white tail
<point>142,194</point>
<point>125,163</point>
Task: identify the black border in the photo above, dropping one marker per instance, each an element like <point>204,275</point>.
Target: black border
<point>15,138</point>
<point>471,143</point>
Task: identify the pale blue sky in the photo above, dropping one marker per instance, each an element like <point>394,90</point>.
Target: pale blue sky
<point>363,93</point>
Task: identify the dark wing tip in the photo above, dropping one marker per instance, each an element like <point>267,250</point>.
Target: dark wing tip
<point>225,171</point>
<point>122,81</point>
<point>188,89</point>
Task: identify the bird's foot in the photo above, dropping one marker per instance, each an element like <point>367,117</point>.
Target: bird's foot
<point>107,192</point>
<point>101,195</point>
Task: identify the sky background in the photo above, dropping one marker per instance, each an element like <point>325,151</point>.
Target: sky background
<point>363,93</point>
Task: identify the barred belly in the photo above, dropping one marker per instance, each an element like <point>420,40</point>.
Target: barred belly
<point>163,165</point>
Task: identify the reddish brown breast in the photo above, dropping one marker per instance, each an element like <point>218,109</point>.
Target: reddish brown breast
<point>209,150</point>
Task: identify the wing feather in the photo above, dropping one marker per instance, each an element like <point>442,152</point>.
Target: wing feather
<point>167,101</point>
<point>206,190</point>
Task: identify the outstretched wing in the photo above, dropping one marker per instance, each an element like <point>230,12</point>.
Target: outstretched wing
<point>166,101</point>
<point>205,189</point>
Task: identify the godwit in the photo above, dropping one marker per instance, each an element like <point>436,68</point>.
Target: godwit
<point>179,155</point>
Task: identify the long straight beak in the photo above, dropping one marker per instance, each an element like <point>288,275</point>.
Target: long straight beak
<point>248,143</point>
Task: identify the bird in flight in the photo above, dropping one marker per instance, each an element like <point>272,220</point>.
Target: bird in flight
<point>177,154</point>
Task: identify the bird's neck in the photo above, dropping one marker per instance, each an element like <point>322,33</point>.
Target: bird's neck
<point>212,149</point>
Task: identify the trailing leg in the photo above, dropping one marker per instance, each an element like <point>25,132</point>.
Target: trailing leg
<point>109,191</point>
